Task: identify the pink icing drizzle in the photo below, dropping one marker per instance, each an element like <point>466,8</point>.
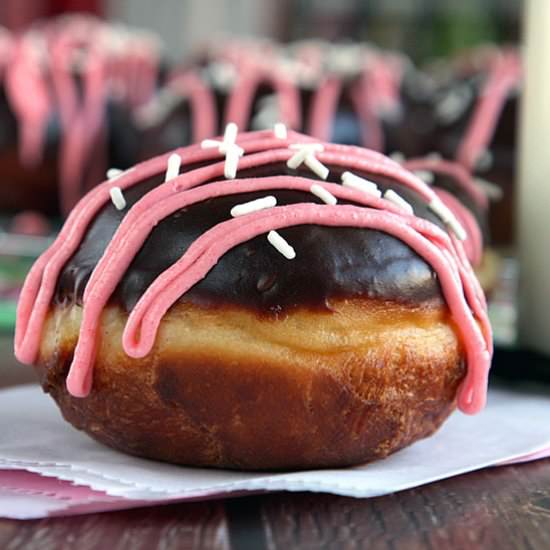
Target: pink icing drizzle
<point>239,104</point>
<point>464,179</point>
<point>39,82</point>
<point>473,245</point>
<point>363,99</point>
<point>375,91</point>
<point>81,121</point>
<point>456,171</point>
<point>203,106</point>
<point>504,74</point>
<point>443,252</point>
<point>29,97</point>
<point>325,104</point>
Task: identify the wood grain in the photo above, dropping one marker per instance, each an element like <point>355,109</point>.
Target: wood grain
<point>183,526</point>
<point>501,508</point>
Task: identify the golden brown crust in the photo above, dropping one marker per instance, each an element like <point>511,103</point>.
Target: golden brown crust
<point>225,388</point>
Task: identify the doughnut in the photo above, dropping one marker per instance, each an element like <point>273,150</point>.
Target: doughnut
<point>333,92</point>
<point>466,109</point>
<point>68,91</point>
<point>263,301</point>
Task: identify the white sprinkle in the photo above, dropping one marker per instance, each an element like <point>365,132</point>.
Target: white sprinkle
<point>425,175</point>
<point>157,108</point>
<point>239,150</point>
<point>222,75</point>
<point>281,245</point>
<point>325,195</point>
<point>229,137</point>
<point>210,144</point>
<point>438,208</point>
<point>253,206</point>
<point>296,159</point>
<point>361,184</point>
<point>434,156</point>
<point>484,161</point>
<point>306,153</point>
<point>493,191</point>
<point>392,196</point>
<point>118,198</point>
<point>453,105</point>
<point>457,229</point>
<point>267,113</point>
<point>227,147</point>
<point>280,130</point>
<point>398,156</point>
<point>113,173</point>
<point>173,168</point>
<point>232,155</point>
<point>316,166</point>
<point>447,217</point>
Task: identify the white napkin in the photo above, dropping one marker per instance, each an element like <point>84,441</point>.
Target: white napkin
<point>34,437</point>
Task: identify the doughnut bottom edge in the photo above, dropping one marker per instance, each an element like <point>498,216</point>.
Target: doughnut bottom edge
<point>226,388</point>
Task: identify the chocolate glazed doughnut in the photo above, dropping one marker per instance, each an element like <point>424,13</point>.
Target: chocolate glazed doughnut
<point>68,91</point>
<point>260,301</point>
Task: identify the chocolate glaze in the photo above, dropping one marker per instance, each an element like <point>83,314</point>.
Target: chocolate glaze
<point>446,138</point>
<point>37,187</point>
<point>22,187</point>
<point>330,262</point>
<point>410,133</point>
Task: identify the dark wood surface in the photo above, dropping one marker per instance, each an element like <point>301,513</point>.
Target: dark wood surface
<point>506,508</point>
<point>501,508</point>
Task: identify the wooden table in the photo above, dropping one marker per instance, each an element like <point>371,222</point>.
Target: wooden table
<point>500,508</point>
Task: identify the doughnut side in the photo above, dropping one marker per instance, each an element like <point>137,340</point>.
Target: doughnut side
<point>224,387</point>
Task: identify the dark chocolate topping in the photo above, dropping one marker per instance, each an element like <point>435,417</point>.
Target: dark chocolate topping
<point>331,262</point>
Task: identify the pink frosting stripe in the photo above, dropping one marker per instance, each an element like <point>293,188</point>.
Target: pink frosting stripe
<point>385,73</point>
<point>82,121</point>
<point>452,169</point>
<point>325,105</point>
<point>323,108</point>
<point>375,90</point>
<point>239,104</point>
<point>39,82</point>
<point>361,96</point>
<point>445,253</point>
<point>29,97</point>
<point>504,74</point>
<point>203,104</point>
<point>473,245</point>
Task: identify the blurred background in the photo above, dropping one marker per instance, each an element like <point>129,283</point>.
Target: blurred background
<point>443,49</point>
<point>421,28</point>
